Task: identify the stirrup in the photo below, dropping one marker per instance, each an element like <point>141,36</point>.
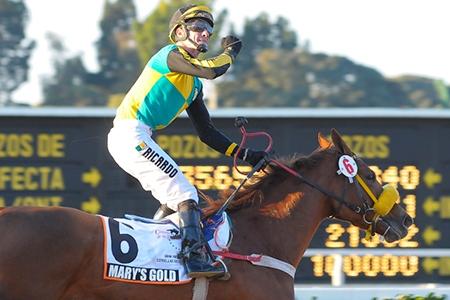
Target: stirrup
<point>225,275</point>
<point>206,270</point>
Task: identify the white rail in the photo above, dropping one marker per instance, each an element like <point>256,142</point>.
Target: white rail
<point>268,112</point>
<point>367,291</point>
<point>432,252</point>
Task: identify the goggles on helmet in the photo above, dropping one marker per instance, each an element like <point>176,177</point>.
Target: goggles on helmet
<point>199,26</point>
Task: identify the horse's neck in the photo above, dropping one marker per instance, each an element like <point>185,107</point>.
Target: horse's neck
<point>281,235</point>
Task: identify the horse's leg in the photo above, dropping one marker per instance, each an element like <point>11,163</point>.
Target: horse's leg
<point>43,252</point>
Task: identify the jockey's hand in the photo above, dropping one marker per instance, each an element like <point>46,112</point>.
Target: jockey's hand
<point>253,157</point>
<point>231,45</point>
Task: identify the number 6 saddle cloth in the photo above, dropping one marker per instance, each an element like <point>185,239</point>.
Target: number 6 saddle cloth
<point>142,250</point>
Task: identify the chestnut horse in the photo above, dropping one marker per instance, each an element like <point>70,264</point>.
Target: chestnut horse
<point>57,253</point>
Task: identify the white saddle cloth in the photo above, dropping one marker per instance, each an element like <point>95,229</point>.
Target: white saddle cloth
<point>145,251</point>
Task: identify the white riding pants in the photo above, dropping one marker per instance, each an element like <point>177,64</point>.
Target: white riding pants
<point>132,147</point>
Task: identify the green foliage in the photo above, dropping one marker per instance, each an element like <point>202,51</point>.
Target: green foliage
<point>259,35</point>
<point>271,71</point>
<point>15,50</point>
<point>73,85</point>
<point>66,87</point>
<point>421,92</point>
<point>430,296</point>
<point>273,68</point>
<point>116,48</point>
<point>152,34</point>
<point>283,78</point>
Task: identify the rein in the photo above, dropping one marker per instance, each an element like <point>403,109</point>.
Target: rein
<point>380,207</point>
<point>360,210</point>
<point>239,123</point>
<point>353,207</point>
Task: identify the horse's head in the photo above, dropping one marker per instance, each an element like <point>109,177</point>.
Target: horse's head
<point>364,202</point>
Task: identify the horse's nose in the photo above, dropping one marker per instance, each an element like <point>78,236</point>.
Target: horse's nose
<point>408,221</point>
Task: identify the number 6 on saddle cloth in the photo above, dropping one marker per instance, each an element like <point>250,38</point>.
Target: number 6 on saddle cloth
<point>142,250</point>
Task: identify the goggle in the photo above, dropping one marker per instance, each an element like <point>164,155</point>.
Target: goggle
<point>199,26</point>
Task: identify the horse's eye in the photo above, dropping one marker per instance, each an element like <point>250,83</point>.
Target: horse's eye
<point>371,177</point>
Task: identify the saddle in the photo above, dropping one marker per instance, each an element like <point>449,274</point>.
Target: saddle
<point>143,250</point>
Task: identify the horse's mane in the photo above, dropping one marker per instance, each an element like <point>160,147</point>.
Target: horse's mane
<point>255,189</point>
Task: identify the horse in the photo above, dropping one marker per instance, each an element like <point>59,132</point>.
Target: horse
<point>57,252</point>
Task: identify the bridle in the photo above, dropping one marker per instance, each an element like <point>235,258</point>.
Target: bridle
<point>382,205</point>
<point>347,166</point>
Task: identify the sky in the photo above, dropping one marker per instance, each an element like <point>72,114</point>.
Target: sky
<point>395,37</point>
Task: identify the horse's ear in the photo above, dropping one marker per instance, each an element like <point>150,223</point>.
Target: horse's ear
<point>323,142</point>
<point>341,146</point>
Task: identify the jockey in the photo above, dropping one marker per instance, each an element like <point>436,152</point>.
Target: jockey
<point>168,85</point>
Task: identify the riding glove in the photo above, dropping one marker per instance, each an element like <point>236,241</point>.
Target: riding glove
<point>231,45</point>
<point>253,157</point>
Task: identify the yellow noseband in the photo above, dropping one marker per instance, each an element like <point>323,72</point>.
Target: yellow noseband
<point>386,200</point>
<point>383,205</point>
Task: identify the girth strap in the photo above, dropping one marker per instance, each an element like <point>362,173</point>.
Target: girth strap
<point>270,262</point>
<point>200,289</point>
<point>262,260</point>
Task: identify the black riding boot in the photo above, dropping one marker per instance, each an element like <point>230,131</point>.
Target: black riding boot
<point>162,212</point>
<point>192,256</point>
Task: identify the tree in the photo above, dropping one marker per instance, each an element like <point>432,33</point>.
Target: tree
<point>420,92</point>
<point>282,78</point>
<point>260,34</point>
<point>73,85</point>
<point>116,48</point>
<point>272,70</point>
<point>15,50</point>
<point>261,41</point>
<point>67,86</point>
